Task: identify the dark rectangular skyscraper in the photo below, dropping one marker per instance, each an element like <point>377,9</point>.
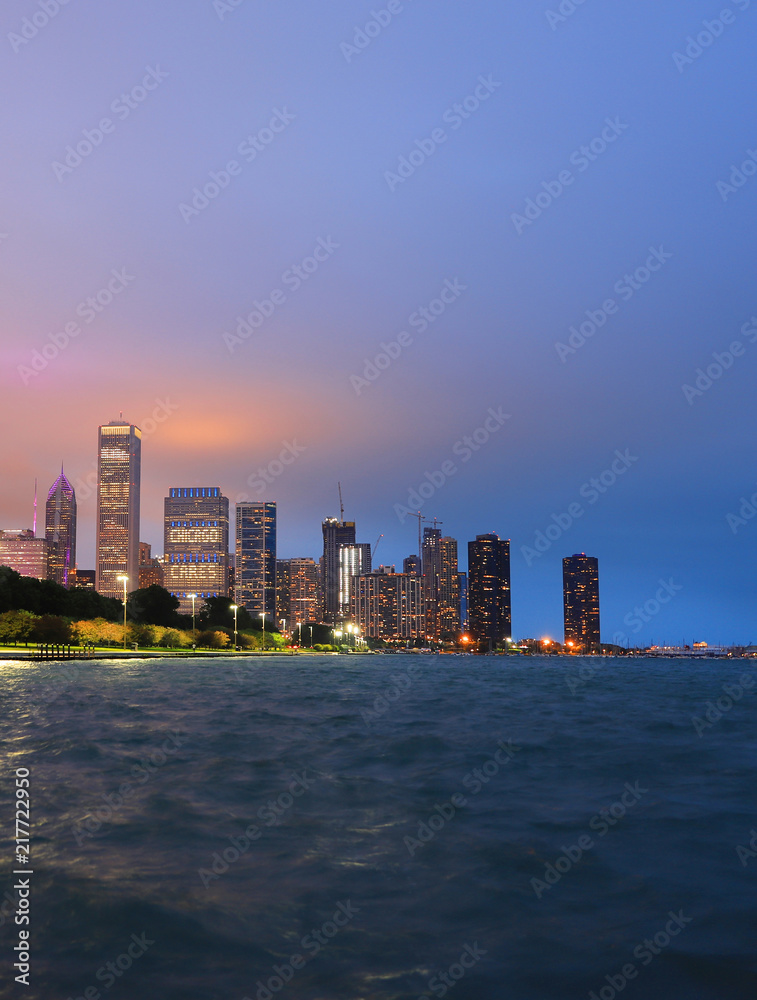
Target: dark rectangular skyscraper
<point>580,574</point>
<point>335,533</point>
<point>119,456</point>
<point>255,563</point>
<point>489,612</point>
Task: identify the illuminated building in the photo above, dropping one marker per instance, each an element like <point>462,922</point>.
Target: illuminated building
<point>580,574</point>
<point>119,452</point>
<point>431,566</point>
<point>150,570</point>
<point>195,544</point>
<point>335,533</point>
<point>22,551</point>
<point>462,579</point>
<point>448,594</point>
<point>411,565</point>
<point>489,613</point>
<point>296,592</point>
<point>255,563</point>
<point>388,605</point>
<point>60,530</point>
<point>354,560</point>
<point>83,578</point>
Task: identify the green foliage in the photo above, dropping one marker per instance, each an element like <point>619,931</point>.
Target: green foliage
<point>216,611</point>
<point>16,626</point>
<point>213,640</point>
<point>153,605</point>
<point>143,635</point>
<point>171,639</point>
<point>52,629</point>
<point>43,597</point>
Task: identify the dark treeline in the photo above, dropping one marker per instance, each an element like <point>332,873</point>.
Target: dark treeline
<point>43,597</point>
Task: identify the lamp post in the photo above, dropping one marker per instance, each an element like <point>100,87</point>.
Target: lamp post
<point>262,615</point>
<point>310,627</point>
<point>194,598</point>
<point>338,635</point>
<point>235,608</point>
<point>124,580</point>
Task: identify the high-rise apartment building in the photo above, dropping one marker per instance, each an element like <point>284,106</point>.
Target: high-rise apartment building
<point>335,533</point>
<point>196,544</point>
<point>150,570</point>
<point>448,594</point>
<point>489,609</point>
<point>431,565</point>
<point>580,575</point>
<point>119,452</point>
<point>22,551</point>
<point>296,592</point>
<point>388,605</point>
<point>354,560</point>
<point>255,562</point>
<point>60,530</point>
<point>412,565</point>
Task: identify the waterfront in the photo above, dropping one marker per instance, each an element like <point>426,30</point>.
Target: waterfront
<point>237,812</point>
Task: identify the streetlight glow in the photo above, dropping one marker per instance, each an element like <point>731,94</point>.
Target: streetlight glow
<point>124,580</point>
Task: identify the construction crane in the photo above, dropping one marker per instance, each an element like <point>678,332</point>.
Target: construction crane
<point>376,546</point>
<point>341,504</point>
<point>421,518</point>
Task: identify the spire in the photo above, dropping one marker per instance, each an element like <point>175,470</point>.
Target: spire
<point>34,528</point>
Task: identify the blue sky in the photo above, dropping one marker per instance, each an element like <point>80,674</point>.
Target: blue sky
<point>326,177</point>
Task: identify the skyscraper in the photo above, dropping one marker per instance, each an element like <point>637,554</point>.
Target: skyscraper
<point>388,605</point>
<point>150,570</point>
<point>255,563</point>
<point>412,565</point>
<point>449,590</point>
<point>431,564</point>
<point>354,560</point>
<point>335,533</point>
<point>119,454</point>
<point>580,575</point>
<point>296,591</point>
<point>489,612</point>
<point>60,530</point>
<point>196,544</point>
<point>22,551</point>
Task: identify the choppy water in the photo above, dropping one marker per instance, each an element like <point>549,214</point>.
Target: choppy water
<point>197,751</point>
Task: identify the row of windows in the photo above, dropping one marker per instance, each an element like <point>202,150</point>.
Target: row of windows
<point>200,491</point>
<point>194,524</point>
<point>195,557</point>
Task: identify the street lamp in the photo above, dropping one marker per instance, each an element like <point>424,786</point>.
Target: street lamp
<point>337,634</point>
<point>235,608</point>
<point>194,598</point>
<point>310,628</point>
<point>262,615</point>
<point>124,580</point>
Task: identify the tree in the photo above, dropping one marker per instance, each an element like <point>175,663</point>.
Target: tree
<point>217,611</point>
<point>16,626</point>
<point>213,640</point>
<point>154,605</point>
<point>143,635</point>
<point>171,639</point>
<point>52,629</point>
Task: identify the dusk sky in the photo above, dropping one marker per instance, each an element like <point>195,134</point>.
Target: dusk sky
<point>317,128</point>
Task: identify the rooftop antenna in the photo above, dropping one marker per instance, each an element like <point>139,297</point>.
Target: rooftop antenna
<point>34,529</point>
<point>341,505</point>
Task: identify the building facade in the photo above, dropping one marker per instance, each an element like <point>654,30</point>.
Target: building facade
<point>335,533</point>
<point>489,608</point>
<point>60,531</point>
<point>255,560</point>
<point>195,544</point>
<point>388,605</point>
<point>119,456</point>
<point>150,570</point>
<point>22,551</point>
<point>448,590</point>
<point>354,560</point>
<point>580,574</point>
<point>296,592</point>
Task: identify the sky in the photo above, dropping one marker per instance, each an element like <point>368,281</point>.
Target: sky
<point>358,234</point>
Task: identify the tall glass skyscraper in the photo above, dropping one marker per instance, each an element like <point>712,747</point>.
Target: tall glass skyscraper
<point>354,560</point>
<point>335,533</point>
<point>489,611</point>
<point>196,544</point>
<point>580,575</point>
<point>60,530</point>
<point>255,564</point>
<point>119,456</point>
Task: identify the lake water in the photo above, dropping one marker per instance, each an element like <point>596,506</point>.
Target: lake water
<point>387,827</point>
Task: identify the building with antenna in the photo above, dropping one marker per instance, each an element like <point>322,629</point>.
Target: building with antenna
<point>60,531</point>
<point>335,534</point>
